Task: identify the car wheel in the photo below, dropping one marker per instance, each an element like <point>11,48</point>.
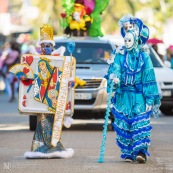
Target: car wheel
<point>32,122</point>
<point>166,111</point>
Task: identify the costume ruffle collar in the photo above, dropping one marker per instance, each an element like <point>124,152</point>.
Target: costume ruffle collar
<point>134,61</point>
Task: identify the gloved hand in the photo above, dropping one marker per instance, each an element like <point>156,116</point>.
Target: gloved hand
<point>110,60</point>
<point>148,108</point>
<point>115,79</point>
<point>60,51</point>
<point>111,76</point>
<point>68,121</point>
<point>71,82</point>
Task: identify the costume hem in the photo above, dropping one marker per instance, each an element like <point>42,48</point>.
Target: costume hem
<point>67,153</point>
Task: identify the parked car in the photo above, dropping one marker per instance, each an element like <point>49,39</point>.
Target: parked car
<point>164,77</point>
<point>91,55</point>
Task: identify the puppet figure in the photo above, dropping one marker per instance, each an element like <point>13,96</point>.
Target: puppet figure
<point>82,17</point>
<point>79,21</point>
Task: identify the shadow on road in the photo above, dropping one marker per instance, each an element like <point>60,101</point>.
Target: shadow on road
<point>88,125</point>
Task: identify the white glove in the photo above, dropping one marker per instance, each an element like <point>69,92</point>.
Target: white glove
<point>148,108</point>
<point>115,79</point>
<point>111,59</point>
<point>59,51</point>
<point>111,76</point>
<point>68,121</point>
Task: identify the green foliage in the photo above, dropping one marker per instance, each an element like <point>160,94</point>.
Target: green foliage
<point>112,11</point>
<point>95,28</point>
<point>68,6</point>
<point>161,11</point>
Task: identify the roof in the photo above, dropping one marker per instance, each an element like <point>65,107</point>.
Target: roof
<point>82,39</point>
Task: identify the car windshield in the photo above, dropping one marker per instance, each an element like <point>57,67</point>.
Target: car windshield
<point>89,53</point>
<point>97,53</point>
<point>154,60</point>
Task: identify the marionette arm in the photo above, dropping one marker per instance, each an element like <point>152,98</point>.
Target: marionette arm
<point>59,51</point>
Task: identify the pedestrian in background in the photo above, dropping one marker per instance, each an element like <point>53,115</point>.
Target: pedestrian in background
<point>10,56</point>
<point>169,56</point>
<point>155,47</point>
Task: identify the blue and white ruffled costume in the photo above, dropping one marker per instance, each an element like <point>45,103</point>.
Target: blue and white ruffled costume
<point>137,87</point>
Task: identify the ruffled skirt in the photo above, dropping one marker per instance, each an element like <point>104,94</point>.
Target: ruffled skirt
<point>132,124</point>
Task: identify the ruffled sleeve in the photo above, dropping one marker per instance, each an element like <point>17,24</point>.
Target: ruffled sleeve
<point>114,68</point>
<point>150,87</point>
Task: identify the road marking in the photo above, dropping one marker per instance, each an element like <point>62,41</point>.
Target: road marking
<point>7,166</point>
<point>13,127</point>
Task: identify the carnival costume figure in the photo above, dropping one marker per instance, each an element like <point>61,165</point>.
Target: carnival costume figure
<point>82,17</point>
<point>47,76</point>
<point>136,96</point>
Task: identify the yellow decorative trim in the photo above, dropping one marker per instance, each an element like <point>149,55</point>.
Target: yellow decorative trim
<point>61,102</point>
<point>52,110</point>
<point>46,59</point>
<point>46,32</point>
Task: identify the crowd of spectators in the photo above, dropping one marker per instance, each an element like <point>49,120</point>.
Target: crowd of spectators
<point>10,53</point>
<point>167,56</point>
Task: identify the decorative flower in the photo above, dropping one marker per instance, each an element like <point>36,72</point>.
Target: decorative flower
<point>79,82</point>
<point>63,15</point>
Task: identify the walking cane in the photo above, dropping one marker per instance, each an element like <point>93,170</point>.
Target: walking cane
<point>105,126</point>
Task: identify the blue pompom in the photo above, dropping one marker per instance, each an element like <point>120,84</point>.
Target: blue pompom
<point>71,46</point>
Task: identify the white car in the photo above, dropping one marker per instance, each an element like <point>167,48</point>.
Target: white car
<point>164,77</point>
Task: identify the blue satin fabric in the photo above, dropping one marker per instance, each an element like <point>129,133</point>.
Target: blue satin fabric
<point>137,88</point>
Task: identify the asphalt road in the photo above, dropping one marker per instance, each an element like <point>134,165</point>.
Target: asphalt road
<point>85,138</point>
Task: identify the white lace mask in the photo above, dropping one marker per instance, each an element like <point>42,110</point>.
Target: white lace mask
<point>129,40</point>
